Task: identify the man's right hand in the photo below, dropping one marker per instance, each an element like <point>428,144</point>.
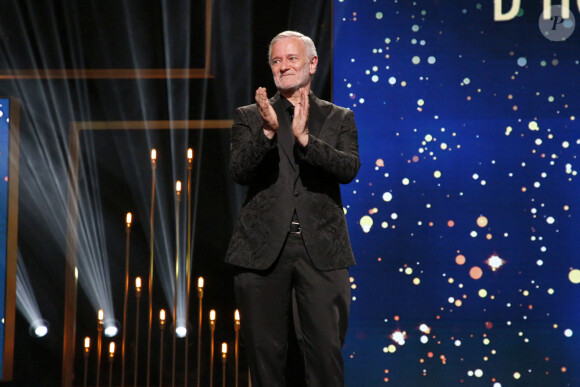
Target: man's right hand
<point>267,112</point>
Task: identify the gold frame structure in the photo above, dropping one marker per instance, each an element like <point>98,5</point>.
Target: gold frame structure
<point>11,240</point>
<point>159,73</point>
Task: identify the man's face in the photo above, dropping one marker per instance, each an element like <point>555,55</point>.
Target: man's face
<point>290,65</point>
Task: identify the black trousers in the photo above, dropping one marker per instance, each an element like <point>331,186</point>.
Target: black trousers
<point>322,302</point>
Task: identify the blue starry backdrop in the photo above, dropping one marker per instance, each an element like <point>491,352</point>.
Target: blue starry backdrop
<point>464,217</point>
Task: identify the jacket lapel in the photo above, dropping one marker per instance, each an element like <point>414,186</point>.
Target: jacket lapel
<point>316,115</point>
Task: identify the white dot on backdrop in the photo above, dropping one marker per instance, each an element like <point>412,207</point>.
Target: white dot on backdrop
<point>387,196</point>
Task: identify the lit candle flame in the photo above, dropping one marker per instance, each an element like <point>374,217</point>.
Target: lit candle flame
<point>212,315</point>
<point>162,316</point>
<point>129,219</point>
<point>138,283</point>
<point>200,282</point>
<point>224,348</point>
<point>190,155</point>
<point>100,315</point>
<point>237,316</point>
<point>87,343</point>
<point>178,186</point>
<point>153,154</point>
<point>112,348</point>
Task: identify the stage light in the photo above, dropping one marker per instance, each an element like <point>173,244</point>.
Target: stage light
<point>26,301</point>
<point>111,330</point>
<point>181,331</point>
<point>40,328</point>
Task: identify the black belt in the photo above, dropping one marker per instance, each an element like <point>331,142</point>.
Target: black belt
<point>295,228</point>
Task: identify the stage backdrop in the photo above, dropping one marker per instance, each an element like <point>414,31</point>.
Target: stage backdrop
<point>464,217</point>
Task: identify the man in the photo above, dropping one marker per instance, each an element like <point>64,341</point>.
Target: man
<point>292,152</point>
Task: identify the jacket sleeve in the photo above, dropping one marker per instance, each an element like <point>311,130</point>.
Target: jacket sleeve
<point>249,147</point>
<point>341,161</point>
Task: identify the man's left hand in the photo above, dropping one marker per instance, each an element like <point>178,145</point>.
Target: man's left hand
<point>300,121</point>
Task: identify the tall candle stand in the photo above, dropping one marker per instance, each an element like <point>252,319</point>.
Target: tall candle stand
<point>188,259</point>
<point>200,298</point>
<point>224,361</point>
<point>236,344</point>
<point>212,330</point>
<point>152,254</point>
<point>137,302</point>
<point>100,316</point>
<point>162,318</point>
<point>111,357</point>
<point>175,289</point>
<point>87,346</point>
<point>128,232</point>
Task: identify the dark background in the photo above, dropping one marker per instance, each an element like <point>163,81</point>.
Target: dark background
<point>114,169</point>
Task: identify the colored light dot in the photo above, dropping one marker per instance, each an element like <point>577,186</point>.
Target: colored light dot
<point>475,272</point>
<point>460,259</point>
<point>574,276</point>
<point>482,293</point>
<point>482,221</point>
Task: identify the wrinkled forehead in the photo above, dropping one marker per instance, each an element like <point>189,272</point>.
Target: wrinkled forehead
<point>289,45</point>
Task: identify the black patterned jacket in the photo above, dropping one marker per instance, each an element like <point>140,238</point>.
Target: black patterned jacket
<point>282,178</point>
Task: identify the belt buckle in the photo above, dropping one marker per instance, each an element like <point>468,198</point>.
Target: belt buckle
<point>295,228</point>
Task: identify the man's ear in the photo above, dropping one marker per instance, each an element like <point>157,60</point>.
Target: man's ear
<point>313,64</point>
